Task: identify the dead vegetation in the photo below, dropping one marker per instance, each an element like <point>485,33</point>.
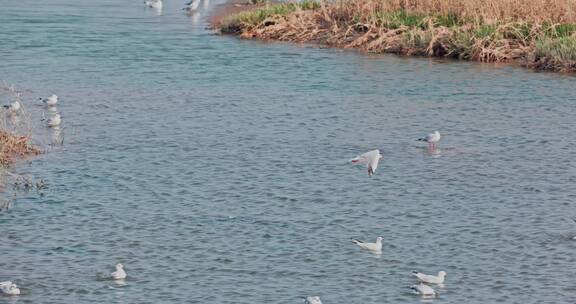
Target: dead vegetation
<point>538,33</point>
<point>15,130</point>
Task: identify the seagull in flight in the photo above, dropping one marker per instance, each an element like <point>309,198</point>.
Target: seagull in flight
<point>371,160</point>
<point>374,247</point>
<point>431,279</point>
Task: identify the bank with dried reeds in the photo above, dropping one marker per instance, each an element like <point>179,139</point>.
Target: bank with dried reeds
<point>539,34</point>
<point>15,131</point>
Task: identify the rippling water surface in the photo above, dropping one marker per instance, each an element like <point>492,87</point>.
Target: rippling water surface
<point>216,169</point>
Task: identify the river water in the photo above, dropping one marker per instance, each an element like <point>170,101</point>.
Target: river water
<point>216,171</point>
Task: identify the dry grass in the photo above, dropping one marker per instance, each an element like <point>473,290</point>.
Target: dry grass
<point>15,131</point>
<point>540,33</point>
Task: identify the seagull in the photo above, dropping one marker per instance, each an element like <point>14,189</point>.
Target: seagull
<point>431,279</point>
<point>370,158</point>
<point>423,290</point>
<point>374,247</point>
<point>54,121</point>
<point>14,107</point>
<point>157,4</point>
<point>50,101</point>
<point>312,300</point>
<point>9,288</point>
<point>431,139</point>
<point>192,5</point>
<point>119,274</point>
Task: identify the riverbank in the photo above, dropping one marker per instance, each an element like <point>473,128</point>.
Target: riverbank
<point>537,34</point>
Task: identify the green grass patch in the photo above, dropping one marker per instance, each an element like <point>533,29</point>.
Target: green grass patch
<point>235,23</point>
<point>397,19</point>
<point>559,49</point>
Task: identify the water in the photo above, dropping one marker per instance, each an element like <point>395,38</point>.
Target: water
<point>216,169</point>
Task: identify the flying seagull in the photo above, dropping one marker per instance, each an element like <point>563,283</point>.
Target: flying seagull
<point>371,160</point>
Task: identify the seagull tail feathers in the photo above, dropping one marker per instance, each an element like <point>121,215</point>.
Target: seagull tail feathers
<point>357,242</point>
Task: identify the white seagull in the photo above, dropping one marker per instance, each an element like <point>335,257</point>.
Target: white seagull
<point>371,160</point>
<point>9,288</point>
<point>119,274</point>
<point>50,100</point>
<point>431,139</point>
<point>374,247</point>
<point>157,4</point>
<point>423,290</point>
<point>54,121</point>
<point>432,279</point>
<point>14,107</point>
<point>192,5</point>
<point>312,300</point>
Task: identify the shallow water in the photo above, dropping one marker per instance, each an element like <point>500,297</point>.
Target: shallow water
<point>216,169</point>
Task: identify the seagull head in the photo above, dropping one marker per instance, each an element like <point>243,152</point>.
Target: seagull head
<point>119,266</point>
<point>379,239</point>
<point>442,274</point>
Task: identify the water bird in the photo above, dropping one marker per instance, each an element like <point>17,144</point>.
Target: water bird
<point>371,160</point>
<point>423,289</point>
<point>50,101</point>
<point>14,107</point>
<point>374,247</point>
<point>54,121</point>
<point>9,288</point>
<point>192,5</point>
<point>431,279</point>
<point>157,4</point>
<point>312,300</point>
<point>119,274</point>
<point>431,139</point>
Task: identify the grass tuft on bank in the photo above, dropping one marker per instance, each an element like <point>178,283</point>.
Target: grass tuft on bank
<point>15,130</point>
<point>538,33</point>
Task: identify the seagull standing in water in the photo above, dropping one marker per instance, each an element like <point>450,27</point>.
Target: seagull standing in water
<point>14,107</point>
<point>371,160</point>
<point>192,6</point>
<point>157,4</point>
<point>119,274</point>
<point>423,290</point>
<point>312,300</point>
<point>374,247</point>
<point>9,288</point>
<point>431,139</point>
<point>431,279</point>
<point>50,101</point>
